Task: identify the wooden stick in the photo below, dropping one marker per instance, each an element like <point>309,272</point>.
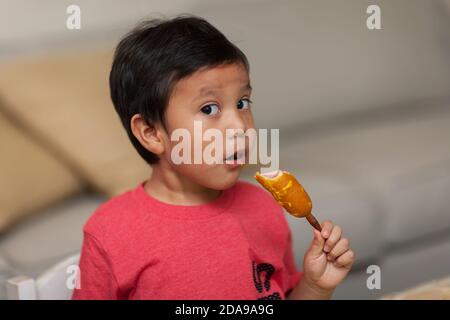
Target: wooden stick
<point>313,221</point>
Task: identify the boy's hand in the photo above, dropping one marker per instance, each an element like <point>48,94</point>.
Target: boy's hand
<point>328,259</point>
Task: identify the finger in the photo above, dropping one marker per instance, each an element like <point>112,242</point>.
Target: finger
<point>334,237</point>
<point>327,226</point>
<point>316,247</point>
<point>341,246</point>
<point>346,260</point>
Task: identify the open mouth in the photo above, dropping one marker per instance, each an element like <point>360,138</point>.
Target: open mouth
<point>238,155</point>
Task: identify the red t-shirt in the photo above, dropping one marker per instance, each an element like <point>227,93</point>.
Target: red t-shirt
<point>237,246</point>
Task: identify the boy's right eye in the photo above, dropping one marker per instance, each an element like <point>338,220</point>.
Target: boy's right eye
<point>210,109</point>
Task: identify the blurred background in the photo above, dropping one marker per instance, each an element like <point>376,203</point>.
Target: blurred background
<point>364,119</point>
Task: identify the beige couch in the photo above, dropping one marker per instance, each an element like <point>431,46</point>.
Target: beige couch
<point>364,120</point>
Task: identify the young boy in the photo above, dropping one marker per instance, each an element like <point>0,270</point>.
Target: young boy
<point>193,231</point>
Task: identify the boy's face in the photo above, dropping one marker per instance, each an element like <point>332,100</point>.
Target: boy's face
<point>219,98</point>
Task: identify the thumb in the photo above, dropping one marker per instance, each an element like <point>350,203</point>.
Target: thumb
<point>318,242</point>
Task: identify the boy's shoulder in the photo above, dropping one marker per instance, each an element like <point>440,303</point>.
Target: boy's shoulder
<point>257,197</point>
<point>255,192</point>
<point>112,213</point>
<point>117,213</point>
<point>263,205</point>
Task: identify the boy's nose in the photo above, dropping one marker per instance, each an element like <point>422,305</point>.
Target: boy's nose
<point>235,122</point>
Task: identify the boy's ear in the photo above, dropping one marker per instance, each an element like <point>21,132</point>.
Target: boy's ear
<point>149,136</point>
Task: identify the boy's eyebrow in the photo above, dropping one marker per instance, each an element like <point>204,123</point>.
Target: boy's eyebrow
<point>207,90</point>
<point>247,87</point>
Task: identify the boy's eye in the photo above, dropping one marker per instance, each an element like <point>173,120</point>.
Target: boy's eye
<point>210,109</point>
<point>244,104</point>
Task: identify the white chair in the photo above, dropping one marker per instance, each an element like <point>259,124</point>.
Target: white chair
<point>57,283</point>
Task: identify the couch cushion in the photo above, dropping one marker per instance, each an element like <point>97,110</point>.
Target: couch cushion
<point>6,272</point>
<point>404,164</point>
<point>421,206</point>
<point>312,60</point>
<point>64,99</point>
<point>421,262</point>
<point>30,176</point>
<point>41,241</point>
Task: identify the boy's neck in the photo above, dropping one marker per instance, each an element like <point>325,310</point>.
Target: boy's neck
<point>169,186</point>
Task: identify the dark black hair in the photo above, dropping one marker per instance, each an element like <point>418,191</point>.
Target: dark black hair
<point>154,56</point>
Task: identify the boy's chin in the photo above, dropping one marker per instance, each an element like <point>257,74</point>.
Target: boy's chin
<point>223,185</point>
<point>223,179</point>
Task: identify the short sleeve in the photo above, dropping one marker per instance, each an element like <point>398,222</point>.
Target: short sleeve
<point>96,278</point>
<point>289,261</point>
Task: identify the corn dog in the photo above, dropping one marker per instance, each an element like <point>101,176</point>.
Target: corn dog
<point>289,193</point>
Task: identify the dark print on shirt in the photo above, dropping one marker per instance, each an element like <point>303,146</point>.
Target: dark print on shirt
<point>262,272</point>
